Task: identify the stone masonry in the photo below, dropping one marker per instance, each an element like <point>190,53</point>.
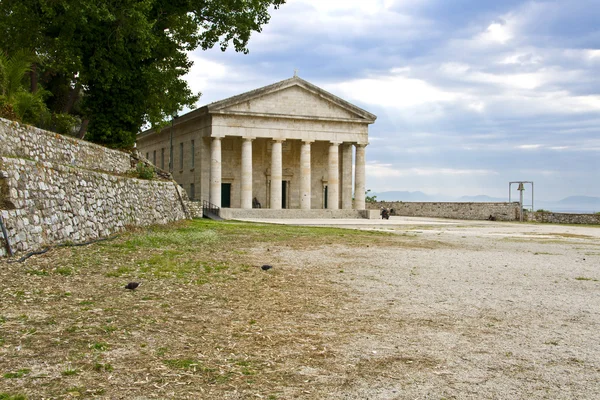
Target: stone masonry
<point>473,211</point>
<point>288,145</point>
<point>55,189</point>
<point>563,218</point>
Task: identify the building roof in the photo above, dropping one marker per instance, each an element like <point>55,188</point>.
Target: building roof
<point>221,106</point>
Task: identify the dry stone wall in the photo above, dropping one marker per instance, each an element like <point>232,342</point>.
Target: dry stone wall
<point>58,189</point>
<point>473,211</point>
<point>23,141</point>
<point>563,218</point>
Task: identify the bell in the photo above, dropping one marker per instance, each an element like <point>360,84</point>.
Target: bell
<point>521,187</point>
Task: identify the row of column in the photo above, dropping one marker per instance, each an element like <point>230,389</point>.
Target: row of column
<point>333,183</point>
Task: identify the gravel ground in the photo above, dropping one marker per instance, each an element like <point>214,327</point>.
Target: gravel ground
<point>476,310</point>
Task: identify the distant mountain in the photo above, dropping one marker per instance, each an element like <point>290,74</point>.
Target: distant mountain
<point>588,200</point>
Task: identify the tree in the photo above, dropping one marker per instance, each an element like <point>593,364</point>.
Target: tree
<point>370,198</point>
<point>124,60</point>
<point>16,101</point>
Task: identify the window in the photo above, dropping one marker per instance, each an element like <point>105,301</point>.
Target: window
<point>162,158</point>
<point>180,155</point>
<point>192,191</point>
<point>154,157</point>
<point>193,160</point>
<point>147,156</point>
<point>171,159</point>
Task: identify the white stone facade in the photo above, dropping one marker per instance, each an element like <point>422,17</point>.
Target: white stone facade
<point>287,145</point>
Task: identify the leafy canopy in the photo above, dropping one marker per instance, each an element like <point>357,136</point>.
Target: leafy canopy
<point>127,57</point>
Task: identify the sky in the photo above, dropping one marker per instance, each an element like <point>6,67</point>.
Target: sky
<point>469,94</point>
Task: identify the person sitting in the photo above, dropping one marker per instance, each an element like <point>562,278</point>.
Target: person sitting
<point>255,203</point>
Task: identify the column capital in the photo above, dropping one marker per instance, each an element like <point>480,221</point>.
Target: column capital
<point>308,141</point>
<point>278,140</point>
<point>361,144</point>
<point>251,138</point>
<point>334,143</point>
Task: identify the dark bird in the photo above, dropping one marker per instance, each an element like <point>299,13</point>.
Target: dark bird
<point>132,285</point>
<point>266,267</point>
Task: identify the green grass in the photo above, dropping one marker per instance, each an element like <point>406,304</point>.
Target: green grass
<point>70,372</point>
<point>583,278</point>
<point>8,396</point>
<point>19,374</point>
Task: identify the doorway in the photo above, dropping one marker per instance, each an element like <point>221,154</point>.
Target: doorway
<point>225,195</point>
<point>284,187</point>
<point>325,191</point>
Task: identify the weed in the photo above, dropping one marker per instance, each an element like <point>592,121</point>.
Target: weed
<point>99,346</point>
<point>99,367</point>
<point>583,278</point>
<point>19,374</point>
<point>38,272</point>
<point>64,271</point>
<point>69,372</point>
<point>108,328</point>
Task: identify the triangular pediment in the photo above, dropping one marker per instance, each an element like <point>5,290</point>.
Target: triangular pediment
<point>294,97</point>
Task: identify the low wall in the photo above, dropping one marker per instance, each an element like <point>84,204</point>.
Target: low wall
<point>265,213</point>
<point>473,211</point>
<point>563,218</point>
<point>49,202</point>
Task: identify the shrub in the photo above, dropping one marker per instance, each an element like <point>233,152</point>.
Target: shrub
<point>144,171</point>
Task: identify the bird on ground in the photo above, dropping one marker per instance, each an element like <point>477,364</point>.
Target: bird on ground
<point>132,285</point>
<point>266,267</point>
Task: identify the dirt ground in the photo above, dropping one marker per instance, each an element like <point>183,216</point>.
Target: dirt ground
<point>437,309</point>
<point>485,310</point>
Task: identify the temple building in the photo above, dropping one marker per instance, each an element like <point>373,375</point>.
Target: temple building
<point>287,145</point>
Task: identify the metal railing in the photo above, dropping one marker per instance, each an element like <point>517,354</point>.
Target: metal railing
<point>210,208</point>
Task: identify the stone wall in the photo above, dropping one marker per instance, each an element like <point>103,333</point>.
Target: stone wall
<point>563,218</point>
<point>473,211</point>
<point>57,189</point>
<point>23,141</point>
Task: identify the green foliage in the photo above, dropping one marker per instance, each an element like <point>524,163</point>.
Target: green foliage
<point>65,124</point>
<point>542,210</point>
<point>144,171</point>
<point>125,60</point>
<point>8,396</point>
<point>370,199</point>
<point>16,100</point>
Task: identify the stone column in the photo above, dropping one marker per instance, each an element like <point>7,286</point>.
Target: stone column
<point>246,173</point>
<point>359,178</point>
<point>276,175</point>
<point>215,171</point>
<point>333,179</point>
<point>347,176</point>
<point>305,176</point>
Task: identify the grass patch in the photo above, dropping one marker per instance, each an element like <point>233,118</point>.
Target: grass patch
<point>584,278</point>
<point>8,396</point>
<point>19,374</point>
<point>204,322</point>
<point>70,372</point>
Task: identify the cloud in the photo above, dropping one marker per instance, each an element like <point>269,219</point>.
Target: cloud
<point>497,32</point>
<point>381,170</point>
<point>469,94</point>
